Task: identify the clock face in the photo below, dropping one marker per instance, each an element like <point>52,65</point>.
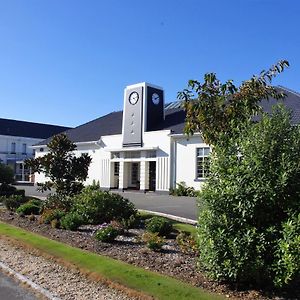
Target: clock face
<point>155,98</point>
<point>133,98</point>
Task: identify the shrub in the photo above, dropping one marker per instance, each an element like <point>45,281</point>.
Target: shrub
<point>13,202</point>
<point>153,241</point>
<point>6,174</point>
<point>52,214</point>
<point>183,190</point>
<point>59,202</point>
<point>187,243</point>
<point>30,207</point>
<point>159,225</point>
<point>247,228</point>
<point>7,190</point>
<point>131,222</point>
<point>98,207</point>
<point>107,234</point>
<point>71,221</point>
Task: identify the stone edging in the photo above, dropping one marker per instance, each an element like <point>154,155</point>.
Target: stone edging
<point>179,219</point>
<point>28,282</point>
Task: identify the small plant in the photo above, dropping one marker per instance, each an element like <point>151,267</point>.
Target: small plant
<point>131,222</point>
<point>153,241</point>
<point>51,214</point>
<point>107,233</point>
<point>29,208</point>
<point>71,221</point>
<point>32,218</point>
<point>55,223</point>
<point>13,202</point>
<point>184,190</point>
<point>159,225</point>
<point>187,243</point>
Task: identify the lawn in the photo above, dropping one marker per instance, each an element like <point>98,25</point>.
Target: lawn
<point>138,279</point>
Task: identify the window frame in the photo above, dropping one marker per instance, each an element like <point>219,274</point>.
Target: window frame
<point>203,157</point>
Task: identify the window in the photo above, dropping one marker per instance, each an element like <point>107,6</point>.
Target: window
<point>24,149</point>
<point>115,155</point>
<point>13,148</point>
<point>151,154</point>
<point>202,167</point>
<point>133,154</point>
<point>116,168</point>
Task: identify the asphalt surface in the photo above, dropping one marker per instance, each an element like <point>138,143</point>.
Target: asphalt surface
<point>184,207</point>
<point>11,290</point>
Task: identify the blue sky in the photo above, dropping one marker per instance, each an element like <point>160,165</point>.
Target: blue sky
<point>68,62</point>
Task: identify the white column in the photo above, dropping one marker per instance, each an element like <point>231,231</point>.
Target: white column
<point>121,175</point>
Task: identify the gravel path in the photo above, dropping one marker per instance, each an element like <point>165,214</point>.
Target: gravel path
<point>61,282</point>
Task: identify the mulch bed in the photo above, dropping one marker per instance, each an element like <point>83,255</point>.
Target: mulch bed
<point>128,248</point>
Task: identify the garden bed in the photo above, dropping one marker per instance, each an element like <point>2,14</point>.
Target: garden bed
<point>129,248</point>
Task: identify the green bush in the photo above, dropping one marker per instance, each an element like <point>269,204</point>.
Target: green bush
<point>97,207</point>
<point>247,228</point>
<point>183,190</point>
<point>13,202</point>
<point>107,234</point>
<point>52,214</point>
<point>6,174</point>
<point>58,201</point>
<point>159,225</point>
<point>7,190</point>
<point>71,221</point>
<point>153,241</point>
<point>187,243</point>
<point>30,207</point>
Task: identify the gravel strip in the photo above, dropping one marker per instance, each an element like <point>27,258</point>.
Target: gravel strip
<point>63,283</point>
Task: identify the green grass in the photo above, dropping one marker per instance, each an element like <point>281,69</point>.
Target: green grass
<point>176,225</point>
<point>147,282</point>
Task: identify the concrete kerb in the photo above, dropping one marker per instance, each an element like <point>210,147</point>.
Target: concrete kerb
<point>172,217</point>
<point>21,278</point>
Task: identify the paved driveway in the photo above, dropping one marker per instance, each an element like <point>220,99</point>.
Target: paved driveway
<point>185,207</point>
<point>10,290</point>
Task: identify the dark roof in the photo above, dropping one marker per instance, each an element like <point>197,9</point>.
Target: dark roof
<point>29,129</point>
<point>174,119</point>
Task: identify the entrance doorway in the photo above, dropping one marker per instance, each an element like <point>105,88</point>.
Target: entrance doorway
<point>152,175</point>
<point>135,176</point>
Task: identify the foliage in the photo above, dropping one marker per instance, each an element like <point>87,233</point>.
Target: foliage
<point>30,207</point>
<point>96,206</point>
<point>130,222</point>
<point>58,201</point>
<point>9,190</point>
<point>153,284</point>
<point>183,190</point>
<point>6,174</point>
<point>219,110</point>
<point>107,233</point>
<point>65,171</point>
<point>287,263</point>
<point>159,225</point>
<point>71,221</point>
<point>49,215</point>
<point>250,202</point>
<point>187,243</point>
<point>13,202</point>
<point>153,241</point>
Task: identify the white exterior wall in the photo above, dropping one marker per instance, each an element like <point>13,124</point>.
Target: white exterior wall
<point>185,161</point>
<point>5,147</point>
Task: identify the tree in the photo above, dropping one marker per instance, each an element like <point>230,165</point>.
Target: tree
<point>6,174</point>
<point>219,111</point>
<point>249,226</point>
<point>65,171</point>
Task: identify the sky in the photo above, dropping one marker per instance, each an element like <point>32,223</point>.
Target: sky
<point>67,62</point>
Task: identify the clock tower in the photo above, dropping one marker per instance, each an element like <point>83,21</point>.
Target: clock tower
<point>143,111</point>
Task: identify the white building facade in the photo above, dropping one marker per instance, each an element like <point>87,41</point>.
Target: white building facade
<point>16,141</point>
<point>144,148</point>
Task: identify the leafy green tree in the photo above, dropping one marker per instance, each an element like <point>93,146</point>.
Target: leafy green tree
<point>65,171</point>
<point>219,110</point>
<point>250,220</point>
<point>249,225</point>
<point>6,174</point>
